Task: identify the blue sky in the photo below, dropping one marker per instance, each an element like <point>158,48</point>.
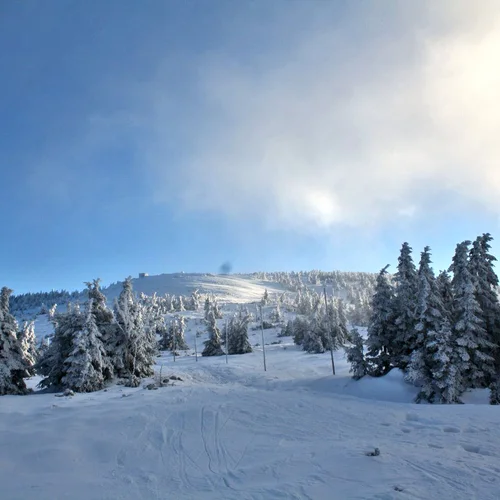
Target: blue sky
<point>166,136</point>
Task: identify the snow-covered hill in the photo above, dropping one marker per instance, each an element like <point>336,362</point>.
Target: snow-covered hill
<point>233,431</point>
<point>228,288</point>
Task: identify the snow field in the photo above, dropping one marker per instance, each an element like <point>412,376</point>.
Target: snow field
<point>233,431</point>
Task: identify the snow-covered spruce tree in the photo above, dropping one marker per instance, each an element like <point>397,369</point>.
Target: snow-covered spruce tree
<point>238,342</point>
<point>151,324</point>
<point>165,337</point>
<point>27,338</point>
<point>180,338</point>
<point>445,289</point>
<point>154,322</point>
<point>168,304</point>
<point>317,302</point>
<point>406,287</point>
<point>85,366</point>
<point>304,303</point>
<point>213,345</point>
<point>287,330</point>
<point>179,306</point>
<point>381,332</point>
<point>322,330</point>
<point>276,316</point>
<point>430,313</point>
<point>265,298</point>
<point>495,391</point>
<point>134,357</point>
<point>216,309</point>
<point>52,312</point>
<point>13,366</point>
<point>175,340</point>
<point>358,311</point>
<point>343,334</point>
<point>356,356</point>
<point>313,340</point>
<point>298,299</point>
<point>51,364</point>
<point>481,264</point>
<point>42,348</point>
<point>244,312</point>
<point>447,379</point>
<point>106,324</point>
<point>195,300</point>
<point>300,328</point>
<point>430,317</point>
<point>435,369</point>
<point>476,361</point>
<point>153,317</point>
<point>207,307</point>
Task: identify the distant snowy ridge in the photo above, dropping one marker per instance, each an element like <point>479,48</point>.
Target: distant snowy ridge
<point>232,288</point>
<point>241,288</point>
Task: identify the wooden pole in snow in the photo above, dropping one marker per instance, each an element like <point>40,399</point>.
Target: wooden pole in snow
<point>173,335</point>
<point>195,348</point>
<point>227,344</point>
<point>263,342</point>
<point>329,329</point>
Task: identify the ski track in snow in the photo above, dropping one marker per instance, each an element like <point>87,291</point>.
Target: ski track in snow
<point>231,431</point>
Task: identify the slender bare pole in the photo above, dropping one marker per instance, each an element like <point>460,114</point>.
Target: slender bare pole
<point>173,334</point>
<point>195,348</point>
<point>329,329</point>
<point>227,345</point>
<point>263,342</point>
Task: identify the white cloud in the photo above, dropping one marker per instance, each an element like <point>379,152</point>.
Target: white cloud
<point>356,123</point>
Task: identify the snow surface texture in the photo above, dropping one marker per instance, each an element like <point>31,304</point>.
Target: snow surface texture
<point>233,431</point>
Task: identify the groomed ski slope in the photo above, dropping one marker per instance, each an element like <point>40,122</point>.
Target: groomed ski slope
<point>231,431</point>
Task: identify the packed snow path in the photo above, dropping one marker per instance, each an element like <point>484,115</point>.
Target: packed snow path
<point>234,432</point>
